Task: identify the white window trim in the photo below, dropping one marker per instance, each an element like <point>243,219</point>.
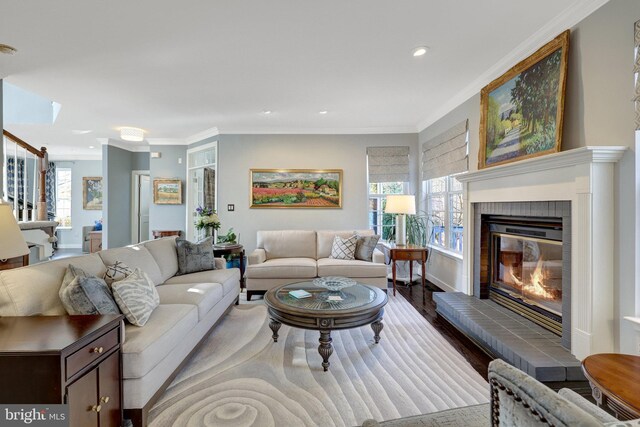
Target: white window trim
<point>447,250</point>
<point>58,170</point>
<point>190,228</point>
<point>382,196</point>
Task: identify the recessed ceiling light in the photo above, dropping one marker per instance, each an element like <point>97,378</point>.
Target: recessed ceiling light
<point>420,50</point>
<point>8,50</point>
<point>323,112</point>
<point>266,112</point>
<point>132,134</point>
<point>81,131</point>
<point>91,146</point>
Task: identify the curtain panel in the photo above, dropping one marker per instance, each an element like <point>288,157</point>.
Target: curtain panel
<point>447,153</point>
<point>388,164</point>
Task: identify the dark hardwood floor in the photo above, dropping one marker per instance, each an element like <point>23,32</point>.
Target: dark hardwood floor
<point>425,306</point>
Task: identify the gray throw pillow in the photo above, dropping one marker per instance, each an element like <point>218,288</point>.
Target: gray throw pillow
<point>118,271</point>
<point>365,247</point>
<point>194,257</point>
<point>343,248</point>
<point>88,295</point>
<point>136,296</point>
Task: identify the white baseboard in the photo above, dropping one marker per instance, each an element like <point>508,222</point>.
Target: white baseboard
<point>439,283</point>
<point>70,246</point>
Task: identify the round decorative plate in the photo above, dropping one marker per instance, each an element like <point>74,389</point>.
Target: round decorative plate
<point>333,283</point>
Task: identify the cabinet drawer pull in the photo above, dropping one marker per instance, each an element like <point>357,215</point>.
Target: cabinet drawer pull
<point>98,350</point>
<point>104,399</point>
<point>96,408</point>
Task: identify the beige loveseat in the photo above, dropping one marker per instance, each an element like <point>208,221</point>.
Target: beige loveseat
<point>189,307</point>
<point>289,256</point>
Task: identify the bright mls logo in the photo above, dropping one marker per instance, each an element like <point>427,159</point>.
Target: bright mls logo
<point>34,415</point>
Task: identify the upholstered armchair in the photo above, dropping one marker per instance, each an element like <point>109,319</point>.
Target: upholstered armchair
<point>516,400</point>
<point>85,237</point>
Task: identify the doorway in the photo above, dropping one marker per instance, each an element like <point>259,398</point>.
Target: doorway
<point>202,184</point>
<point>141,194</point>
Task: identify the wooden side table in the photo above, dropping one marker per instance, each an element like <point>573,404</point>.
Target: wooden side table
<point>95,241</point>
<point>615,382</point>
<point>19,261</point>
<point>238,249</point>
<point>64,359</point>
<point>157,234</point>
<point>407,253</point>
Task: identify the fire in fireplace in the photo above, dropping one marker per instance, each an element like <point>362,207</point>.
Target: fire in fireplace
<point>526,268</point>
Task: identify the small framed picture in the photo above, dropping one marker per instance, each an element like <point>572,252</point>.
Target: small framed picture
<point>167,191</point>
<point>92,193</point>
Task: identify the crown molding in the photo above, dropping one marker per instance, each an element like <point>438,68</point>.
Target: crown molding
<point>129,146</point>
<point>200,136</point>
<point>166,141</point>
<point>322,131</point>
<point>575,13</point>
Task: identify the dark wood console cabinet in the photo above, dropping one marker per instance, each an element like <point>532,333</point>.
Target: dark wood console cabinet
<point>64,359</point>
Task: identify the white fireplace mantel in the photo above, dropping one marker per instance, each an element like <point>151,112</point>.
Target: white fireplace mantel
<point>585,177</point>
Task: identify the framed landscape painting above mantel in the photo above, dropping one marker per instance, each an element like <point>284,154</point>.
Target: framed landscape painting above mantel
<point>296,188</point>
<point>521,112</point>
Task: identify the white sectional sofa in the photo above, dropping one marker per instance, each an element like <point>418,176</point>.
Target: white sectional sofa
<point>289,256</point>
<point>190,305</point>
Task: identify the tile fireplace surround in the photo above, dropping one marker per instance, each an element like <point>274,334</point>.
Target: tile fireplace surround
<point>584,177</point>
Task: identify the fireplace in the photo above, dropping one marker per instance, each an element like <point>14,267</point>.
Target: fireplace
<point>526,266</point>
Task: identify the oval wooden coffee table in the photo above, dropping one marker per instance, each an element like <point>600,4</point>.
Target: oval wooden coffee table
<point>361,305</point>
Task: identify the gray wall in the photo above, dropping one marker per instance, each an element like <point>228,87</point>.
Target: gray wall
<point>239,153</point>
<point>80,217</point>
<point>117,165</point>
<point>598,111</point>
<point>171,164</point>
<point>140,161</point>
<point>1,144</point>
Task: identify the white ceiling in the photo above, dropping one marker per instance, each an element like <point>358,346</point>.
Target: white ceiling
<point>177,69</point>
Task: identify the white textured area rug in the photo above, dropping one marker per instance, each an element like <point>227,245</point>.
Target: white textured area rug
<point>240,377</point>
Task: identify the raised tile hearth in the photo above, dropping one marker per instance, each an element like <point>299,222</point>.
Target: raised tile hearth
<point>507,335</point>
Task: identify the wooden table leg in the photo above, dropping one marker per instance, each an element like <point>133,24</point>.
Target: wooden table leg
<point>325,348</point>
<point>393,271</point>
<point>424,280</point>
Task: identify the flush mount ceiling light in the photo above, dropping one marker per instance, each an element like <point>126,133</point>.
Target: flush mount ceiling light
<point>420,50</point>
<point>323,112</point>
<point>267,112</point>
<point>132,134</point>
<point>8,50</point>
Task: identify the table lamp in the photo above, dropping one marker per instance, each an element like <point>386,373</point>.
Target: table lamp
<point>12,243</point>
<point>401,204</point>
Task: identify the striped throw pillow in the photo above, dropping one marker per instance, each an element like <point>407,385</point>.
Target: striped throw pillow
<point>136,296</point>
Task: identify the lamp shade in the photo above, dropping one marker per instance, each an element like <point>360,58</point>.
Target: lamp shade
<point>401,204</point>
<point>12,242</point>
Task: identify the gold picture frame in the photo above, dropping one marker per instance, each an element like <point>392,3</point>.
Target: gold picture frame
<point>295,188</point>
<point>522,111</point>
<point>92,193</point>
<point>167,191</point>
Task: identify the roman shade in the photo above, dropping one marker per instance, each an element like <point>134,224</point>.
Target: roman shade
<point>388,164</point>
<point>636,72</point>
<point>447,153</point>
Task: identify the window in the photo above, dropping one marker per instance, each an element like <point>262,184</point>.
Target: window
<point>381,223</point>
<point>63,197</point>
<point>444,207</point>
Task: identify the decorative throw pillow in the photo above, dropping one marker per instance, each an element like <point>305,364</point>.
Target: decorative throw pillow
<point>69,275</point>
<point>194,257</point>
<point>117,271</point>
<point>136,296</point>
<point>88,295</point>
<point>343,248</point>
<point>365,247</point>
